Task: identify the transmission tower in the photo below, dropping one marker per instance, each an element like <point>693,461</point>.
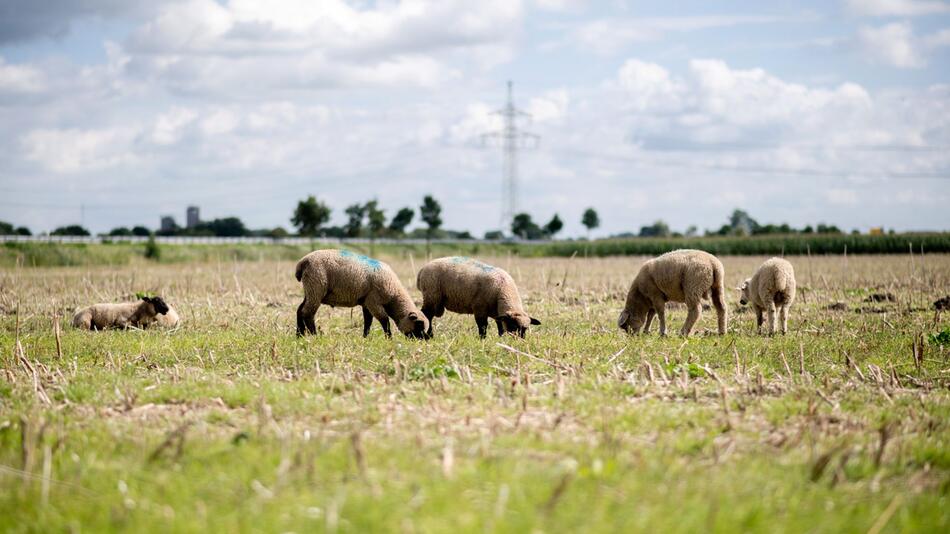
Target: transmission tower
<point>512,138</point>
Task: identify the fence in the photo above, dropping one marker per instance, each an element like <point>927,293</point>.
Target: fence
<point>209,240</point>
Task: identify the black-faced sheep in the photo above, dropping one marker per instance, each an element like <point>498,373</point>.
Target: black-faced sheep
<point>680,276</point>
<point>772,286</point>
<point>468,286</point>
<point>124,315</point>
<point>341,278</point>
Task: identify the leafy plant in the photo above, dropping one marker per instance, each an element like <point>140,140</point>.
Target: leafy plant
<point>940,338</point>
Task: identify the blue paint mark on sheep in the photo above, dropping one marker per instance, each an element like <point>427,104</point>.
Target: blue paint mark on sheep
<point>366,261</point>
<point>484,267</point>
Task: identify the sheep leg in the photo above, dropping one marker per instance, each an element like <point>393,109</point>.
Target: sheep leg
<point>482,323</point>
<point>501,329</point>
<point>431,312</point>
<point>771,317</point>
<point>758,320</point>
<point>783,317</point>
<point>650,315</point>
<point>719,302</point>
<point>660,308</point>
<point>384,322</point>
<point>695,311</point>
<point>367,321</point>
<point>305,312</point>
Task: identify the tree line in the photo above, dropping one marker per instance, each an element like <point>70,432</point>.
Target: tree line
<point>311,216</point>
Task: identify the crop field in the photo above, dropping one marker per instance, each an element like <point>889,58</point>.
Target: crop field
<point>232,424</point>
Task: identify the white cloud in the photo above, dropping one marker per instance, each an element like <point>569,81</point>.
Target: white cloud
<point>842,196</point>
<point>550,106</point>
<point>76,150</point>
<point>901,8</point>
<point>610,35</point>
<point>20,78</point>
<point>893,44</point>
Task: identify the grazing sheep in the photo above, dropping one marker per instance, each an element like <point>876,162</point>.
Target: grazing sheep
<point>138,314</point>
<point>680,276</point>
<point>343,278</point>
<point>464,285</point>
<point>772,285</point>
<point>169,319</point>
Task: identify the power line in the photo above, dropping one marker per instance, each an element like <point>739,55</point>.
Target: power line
<point>511,138</point>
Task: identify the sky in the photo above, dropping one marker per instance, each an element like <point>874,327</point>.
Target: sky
<point>116,112</point>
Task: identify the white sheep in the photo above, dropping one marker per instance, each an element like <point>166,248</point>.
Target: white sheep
<point>772,286</point>
<point>685,276</point>
<point>106,315</point>
<point>468,286</point>
<point>343,278</point>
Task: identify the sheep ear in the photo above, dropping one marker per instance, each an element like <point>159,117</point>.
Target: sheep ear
<point>624,317</point>
<point>146,298</point>
<point>535,321</point>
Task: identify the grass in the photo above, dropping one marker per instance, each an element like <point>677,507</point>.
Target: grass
<point>232,424</point>
<point>72,255</point>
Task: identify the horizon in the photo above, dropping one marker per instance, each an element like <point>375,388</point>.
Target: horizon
<point>798,112</point>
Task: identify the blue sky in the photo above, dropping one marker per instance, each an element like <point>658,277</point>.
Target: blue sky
<point>798,112</point>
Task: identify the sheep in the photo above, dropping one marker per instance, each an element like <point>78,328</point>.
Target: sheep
<point>124,315</point>
<point>465,285</point>
<point>772,285</point>
<point>169,319</point>
<point>680,276</point>
<point>343,278</point>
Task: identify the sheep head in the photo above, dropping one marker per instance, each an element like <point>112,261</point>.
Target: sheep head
<point>157,304</point>
<point>517,322</point>
<point>414,325</point>
<point>744,288</point>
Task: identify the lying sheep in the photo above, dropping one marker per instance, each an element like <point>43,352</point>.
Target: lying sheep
<point>342,278</point>
<point>127,314</point>
<point>772,285</point>
<point>679,276</point>
<point>464,285</point>
<point>169,319</point>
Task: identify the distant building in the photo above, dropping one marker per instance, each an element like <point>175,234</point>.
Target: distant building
<point>168,224</point>
<point>192,217</point>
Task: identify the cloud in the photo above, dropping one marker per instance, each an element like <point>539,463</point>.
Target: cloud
<point>20,79</point>
<point>35,19</point>
<point>550,106</point>
<point>893,44</point>
<point>900,8</point>
<point>842,196</point>
<point>610,35</point>
<point>74,150</point>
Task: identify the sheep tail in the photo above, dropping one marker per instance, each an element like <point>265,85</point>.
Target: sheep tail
<point>718,288</point>
<point>301,267</point>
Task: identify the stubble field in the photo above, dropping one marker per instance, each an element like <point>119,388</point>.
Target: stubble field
<point>231,423</point>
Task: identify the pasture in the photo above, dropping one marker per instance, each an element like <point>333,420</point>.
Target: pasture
<point>232,424</point>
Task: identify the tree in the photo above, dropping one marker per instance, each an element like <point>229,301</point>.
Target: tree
<point>742,223</point>
<point>430,212</point>
<point>354,225</point>
<point>141,231</point>
<point>590,220</point>
<point>657,229</point>
<point>376,222</point>
<point>121,231</point>
<point>401,220</point>
<point>691,231</point>
<point>73,229</point>
<point>6,228</point>
<point>554,226</point>
<point>226,227</point>
<point>494,235</point>
<point>523,227</point>
<point>310,215</point>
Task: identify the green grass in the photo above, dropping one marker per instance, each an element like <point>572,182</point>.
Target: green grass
<point>66,255</point>
<point>233,424</point>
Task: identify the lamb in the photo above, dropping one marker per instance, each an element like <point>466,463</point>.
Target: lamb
<point>124,315</point>
<point>679,276</point>
<point>343,278</point>
<point>468,286</point>
<point>772,285</point>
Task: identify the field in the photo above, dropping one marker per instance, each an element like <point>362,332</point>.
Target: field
<point>233,424</point>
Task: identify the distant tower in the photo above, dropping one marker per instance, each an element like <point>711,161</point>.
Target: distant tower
<point>192,217</point>
<point>168,224</point>
<point>512,137</point>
